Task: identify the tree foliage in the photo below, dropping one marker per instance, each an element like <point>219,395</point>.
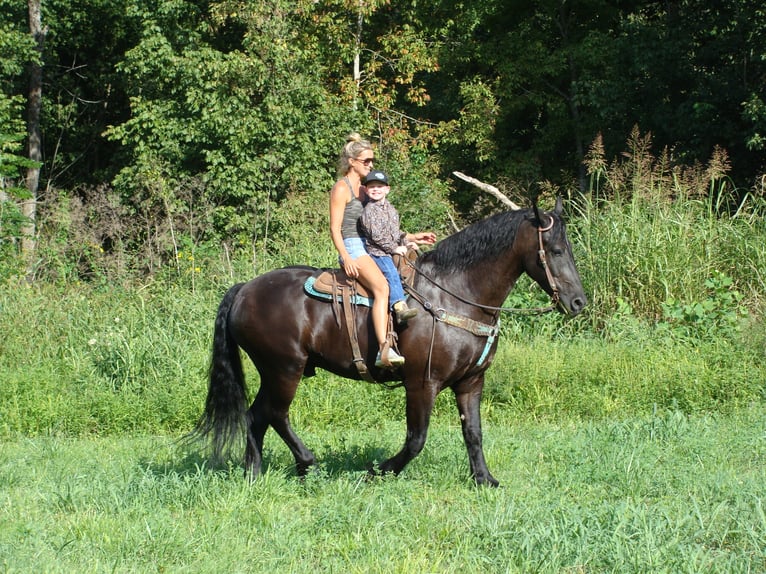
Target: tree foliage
<point>222,113</point>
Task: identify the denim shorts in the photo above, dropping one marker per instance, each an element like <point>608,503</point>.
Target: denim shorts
<point>355,247</point>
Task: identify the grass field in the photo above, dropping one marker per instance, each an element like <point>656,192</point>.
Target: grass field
<point>631,439</point>
<point>663,493</point>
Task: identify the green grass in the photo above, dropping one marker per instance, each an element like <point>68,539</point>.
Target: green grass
<point>645,253</point>
<point>631,439</point>
<point>663,493</point>
<point>78,361</point>
<point>583,378</point>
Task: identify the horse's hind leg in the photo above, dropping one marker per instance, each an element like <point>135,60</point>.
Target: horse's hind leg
<point>271,407</point>
<point>304,458</point>
<point>258,423</point>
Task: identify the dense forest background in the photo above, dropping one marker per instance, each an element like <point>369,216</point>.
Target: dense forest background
<point>171,126</point>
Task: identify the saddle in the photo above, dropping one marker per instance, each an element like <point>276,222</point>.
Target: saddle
<point>334,282</point>
<point>343,290</point>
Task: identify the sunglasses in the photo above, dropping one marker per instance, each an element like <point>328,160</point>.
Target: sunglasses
<point>368,161</point>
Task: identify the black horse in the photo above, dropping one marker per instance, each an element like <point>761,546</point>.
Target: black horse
<point>459,287</point>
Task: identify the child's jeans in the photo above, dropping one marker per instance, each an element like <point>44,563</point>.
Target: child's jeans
<point>387,267</point>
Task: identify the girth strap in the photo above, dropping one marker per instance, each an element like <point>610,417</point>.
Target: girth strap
<point>472,326</point>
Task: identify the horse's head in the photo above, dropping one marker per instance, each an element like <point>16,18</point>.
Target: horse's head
<point>550,262</point>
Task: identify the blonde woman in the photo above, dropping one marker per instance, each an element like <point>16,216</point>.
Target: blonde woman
<point>346,206</point>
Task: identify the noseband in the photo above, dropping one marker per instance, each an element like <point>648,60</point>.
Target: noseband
<point>544,263</point>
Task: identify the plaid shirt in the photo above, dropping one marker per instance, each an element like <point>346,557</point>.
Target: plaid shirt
<point>380,225</point>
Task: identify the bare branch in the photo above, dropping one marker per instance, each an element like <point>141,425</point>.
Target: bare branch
<point>452,219</point>
<point>491,189</point>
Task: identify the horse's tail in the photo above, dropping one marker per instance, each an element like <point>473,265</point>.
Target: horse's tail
<point>224,417</point>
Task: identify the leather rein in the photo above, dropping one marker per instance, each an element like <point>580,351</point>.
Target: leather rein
<point>490,331</point>
<point>537,310</point>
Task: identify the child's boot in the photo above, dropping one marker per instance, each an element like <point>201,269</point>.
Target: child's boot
<point>403,313</point>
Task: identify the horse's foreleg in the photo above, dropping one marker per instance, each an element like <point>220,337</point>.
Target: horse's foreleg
<point>468,397</point>
<point>420,403</point>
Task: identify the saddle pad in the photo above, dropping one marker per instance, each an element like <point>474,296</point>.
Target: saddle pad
<point>308,286</point>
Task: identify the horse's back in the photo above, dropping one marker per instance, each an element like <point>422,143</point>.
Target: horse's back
<point>274,296</point>
<point>273,316</point>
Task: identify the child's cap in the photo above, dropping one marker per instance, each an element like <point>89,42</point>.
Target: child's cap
<point>376,176</point>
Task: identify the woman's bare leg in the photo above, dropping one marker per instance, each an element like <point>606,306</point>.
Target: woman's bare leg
<point>372,278</point>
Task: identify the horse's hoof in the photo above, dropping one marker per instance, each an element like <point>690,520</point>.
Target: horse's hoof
<point>488,480</point>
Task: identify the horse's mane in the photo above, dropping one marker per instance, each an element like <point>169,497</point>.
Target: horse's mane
<point>485,240</point>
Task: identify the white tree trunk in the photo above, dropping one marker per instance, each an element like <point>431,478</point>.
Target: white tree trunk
<point>34,104</point>
<point>357,52</point>
<point>491,189</point>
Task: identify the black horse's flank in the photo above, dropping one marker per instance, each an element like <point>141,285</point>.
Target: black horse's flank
<point>459,286</point>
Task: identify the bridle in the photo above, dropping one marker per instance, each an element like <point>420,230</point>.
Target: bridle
<point>537,310</point>
<point>478,328</point>
<point>544,262</point>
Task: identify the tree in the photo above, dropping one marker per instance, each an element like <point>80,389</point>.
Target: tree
<point>525,87</point>
<point>519,75</point>
<point>29,204</point>
<point>253,98</point>
<point>698,77</point>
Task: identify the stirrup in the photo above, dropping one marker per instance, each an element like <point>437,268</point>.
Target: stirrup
<point>394,360</point>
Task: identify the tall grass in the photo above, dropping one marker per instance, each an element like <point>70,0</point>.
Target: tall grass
<point>645,255</point>
<point>676,289</point>
<point>649,231</point>
<point>79,360</point>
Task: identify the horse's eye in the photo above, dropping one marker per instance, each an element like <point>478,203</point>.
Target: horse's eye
<point>557,251</point>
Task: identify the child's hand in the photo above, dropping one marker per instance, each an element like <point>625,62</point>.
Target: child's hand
<point>401,250</point>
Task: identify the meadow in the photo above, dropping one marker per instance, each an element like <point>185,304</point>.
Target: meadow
<point>667,492</point>
<point>629,439</point>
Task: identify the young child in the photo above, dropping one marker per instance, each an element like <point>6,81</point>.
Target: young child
<point>380,226</point>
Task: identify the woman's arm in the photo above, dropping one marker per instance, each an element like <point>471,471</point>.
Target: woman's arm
<point>420,238</point>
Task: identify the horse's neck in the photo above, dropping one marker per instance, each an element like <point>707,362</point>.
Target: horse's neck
<point>485,284</point>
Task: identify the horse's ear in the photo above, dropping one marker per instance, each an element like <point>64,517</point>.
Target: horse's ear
<point>559,209</point>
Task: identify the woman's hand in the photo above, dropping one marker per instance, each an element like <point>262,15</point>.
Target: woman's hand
<point>350,268</point>
<point>422,238</point>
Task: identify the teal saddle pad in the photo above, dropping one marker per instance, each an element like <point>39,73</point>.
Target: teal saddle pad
<point>308,287</point>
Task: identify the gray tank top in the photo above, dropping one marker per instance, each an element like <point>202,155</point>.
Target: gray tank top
<point>349,227</point>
